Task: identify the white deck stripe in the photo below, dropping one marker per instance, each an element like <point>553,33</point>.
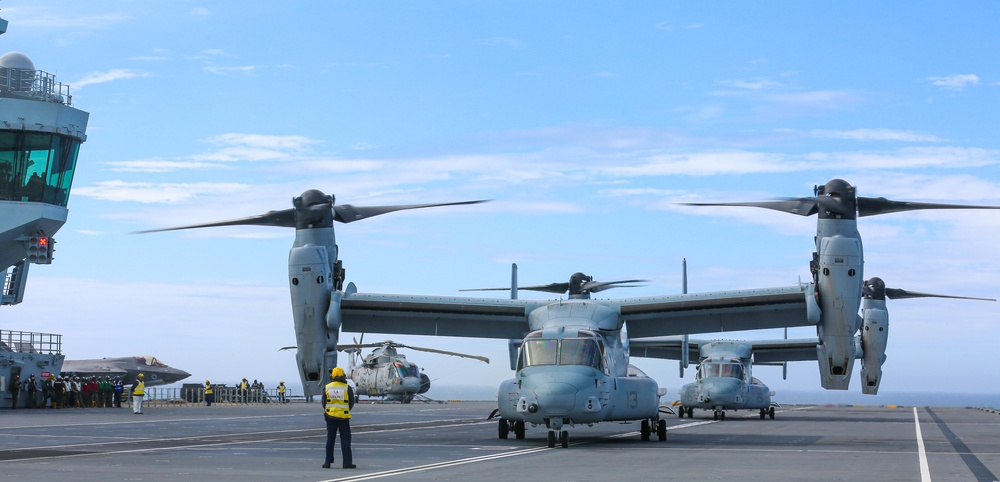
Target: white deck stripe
<point>925,471</point>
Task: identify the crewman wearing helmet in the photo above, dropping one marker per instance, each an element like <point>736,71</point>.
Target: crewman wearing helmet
<point>338,400</point>
<point>281,392</point>
<point>138,392</point>
<point>209,394</point>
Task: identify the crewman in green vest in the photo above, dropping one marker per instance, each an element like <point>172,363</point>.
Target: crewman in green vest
<point>338,400</point>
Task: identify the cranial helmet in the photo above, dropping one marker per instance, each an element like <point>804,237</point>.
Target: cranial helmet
<point>337,372</point>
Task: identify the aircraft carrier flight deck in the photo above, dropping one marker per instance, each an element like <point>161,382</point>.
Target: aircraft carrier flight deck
<point>455,441</point>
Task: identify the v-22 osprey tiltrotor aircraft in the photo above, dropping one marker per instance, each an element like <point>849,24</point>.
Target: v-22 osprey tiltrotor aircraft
<point>387,373</point>
<point>838,276</point>
<point>571,356</point>
<point>315,274</point>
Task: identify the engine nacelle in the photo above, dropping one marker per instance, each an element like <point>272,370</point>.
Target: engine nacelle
<point>838,274</point>
<point>874,338</point>
<point>310,283</point>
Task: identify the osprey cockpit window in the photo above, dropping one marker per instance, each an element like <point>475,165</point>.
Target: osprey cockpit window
<point>540,352</point>
<point>720,370</point>
<point>580,351</point>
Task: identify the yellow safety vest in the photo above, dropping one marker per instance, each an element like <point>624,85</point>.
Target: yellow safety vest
<point>337,401</point>
<point>139,389</point>
<point>281,389</point>
<point>208,389</point>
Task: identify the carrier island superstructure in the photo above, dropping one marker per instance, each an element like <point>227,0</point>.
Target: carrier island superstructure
<point>40,137</point>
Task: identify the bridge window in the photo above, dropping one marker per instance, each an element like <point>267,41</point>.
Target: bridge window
<point>36,166</point>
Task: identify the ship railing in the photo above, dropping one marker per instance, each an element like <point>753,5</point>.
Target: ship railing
<point>30,342</point>
<point>193,397</point>
<point>34,84</point>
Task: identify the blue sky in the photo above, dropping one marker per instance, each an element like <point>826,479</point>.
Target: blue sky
<point>586,123</point>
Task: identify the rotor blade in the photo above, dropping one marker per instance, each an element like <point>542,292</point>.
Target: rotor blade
<point>284,218</point>
<point>288,348</point>
<point>549,288</point>
<point>898,294</point>
<point>595,286</point>
<point>346,213</point>
<point>365,345</point>
<point>442,352</point>
<point>871,206</point>
<point>806,206</point>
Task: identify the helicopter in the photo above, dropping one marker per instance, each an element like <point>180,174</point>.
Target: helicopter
<point>387,374</point>
<point>315,274</point>
<point>837,274</point>
<point>571,356</point>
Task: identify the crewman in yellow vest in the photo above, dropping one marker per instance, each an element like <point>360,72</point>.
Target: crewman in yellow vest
<point>209,394</point>
<point>338,400</point>
<point>243,390</point>
<point>281,392</point>
<point>138,392</point>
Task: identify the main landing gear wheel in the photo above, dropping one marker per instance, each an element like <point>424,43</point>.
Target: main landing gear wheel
<point>763,412</point>
<point>644,430</point>
<point>770,412</point>
<point>552,439</point>
<point>504,428</point>
<point>661,430</point>
<point>564,439</point>
<point>719,415</point>
<point>690,412</point>
<point>680,413</point>
<point>519,430</point>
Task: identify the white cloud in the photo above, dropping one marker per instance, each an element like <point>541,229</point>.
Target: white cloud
<point>255,147</point>
<point>909,158</point>
<point>955,82</point>
<point>200,12</point>
<point>874,135</point>
<point>827,100</point>
<point>218,70</point>
<point>756,84</point>
<point>158,165</point>
<point>149,192</point>
<point>42,17</point>
<point>109,76</point>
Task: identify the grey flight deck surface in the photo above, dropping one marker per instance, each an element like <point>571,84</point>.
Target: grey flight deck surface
<point>454,442</point>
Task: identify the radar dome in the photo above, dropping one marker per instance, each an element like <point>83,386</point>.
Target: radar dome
<point>16,60</point>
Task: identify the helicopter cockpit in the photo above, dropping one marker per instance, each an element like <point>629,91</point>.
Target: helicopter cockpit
<point>721,369</point>
<point>586,349</point>
<point>403,370</point>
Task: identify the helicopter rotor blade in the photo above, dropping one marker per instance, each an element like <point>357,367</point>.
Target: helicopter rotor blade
<point>871,206</point>
<point>596,286</point>
<point>549,288</point>
<point>899,294</point>
<point>443,352</point>
<point>346,213</point>
<point>284,218</point>
<point>806,206</point>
